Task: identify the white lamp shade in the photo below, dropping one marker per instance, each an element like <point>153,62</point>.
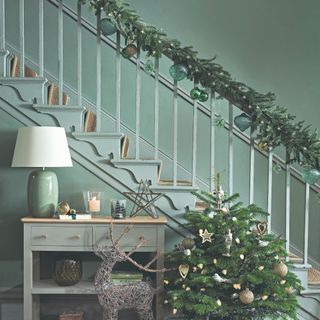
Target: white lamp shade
<point>41,147</point>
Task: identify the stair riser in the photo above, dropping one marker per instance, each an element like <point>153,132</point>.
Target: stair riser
<point>70,118</point>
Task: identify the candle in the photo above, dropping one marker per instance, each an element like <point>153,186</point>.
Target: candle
<point>94,204</point>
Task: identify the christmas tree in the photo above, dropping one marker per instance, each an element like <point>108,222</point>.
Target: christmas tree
<point>231,267</point>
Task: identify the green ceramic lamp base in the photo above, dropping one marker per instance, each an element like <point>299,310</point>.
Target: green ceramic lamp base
<point>42,193</point>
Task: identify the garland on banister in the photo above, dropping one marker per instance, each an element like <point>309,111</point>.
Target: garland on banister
<point>273,125</point>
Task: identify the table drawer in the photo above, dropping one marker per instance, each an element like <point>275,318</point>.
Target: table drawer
<point>132,238</point>
<point>61,236</point>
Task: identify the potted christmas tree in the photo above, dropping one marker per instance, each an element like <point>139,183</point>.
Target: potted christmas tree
<point>230,267</point>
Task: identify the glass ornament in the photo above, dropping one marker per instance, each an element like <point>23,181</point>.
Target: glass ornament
<point>203,96</point>
<point>129,51</point>
<point>178,71</point>
<point>310,176</point>
<point>149,66</point>
<point>242,121</point>
<point>195,93</point>
<point>107,27</point>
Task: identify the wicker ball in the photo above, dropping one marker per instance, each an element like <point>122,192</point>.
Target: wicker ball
<point>188,243</point>
<point>281,269</point>
<point>246,296</point>
<point>129,51</point>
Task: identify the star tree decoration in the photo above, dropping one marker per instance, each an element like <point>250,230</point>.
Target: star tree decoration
<point>144,199</point>
<point>205,235</point>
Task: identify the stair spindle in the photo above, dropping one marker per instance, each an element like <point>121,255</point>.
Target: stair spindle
<point>79,51</point>
<point>21,37</point>
<point>288,189</point>
<point>194,141</point>
<point>138,103</point>
<point>156,108</point>
<point>230,167</point>
<point>118,83</point>
<point>306,224</point>
<point>2,26</point>
<point>251,164</point>
<point>41,45</point>
<point>60,50</point>
<point>98,126</point>
<point>212,139</point>
<point>175,132</point>
<point>269,196</point>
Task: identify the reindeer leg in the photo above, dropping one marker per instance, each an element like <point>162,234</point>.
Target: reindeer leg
<point>145,314</point>
<point>110,314</point>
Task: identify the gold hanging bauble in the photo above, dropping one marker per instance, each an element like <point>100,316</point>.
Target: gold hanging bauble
<point>188,243</point>
<point>246,296</point>
<point>263,146</point>
<point>184,270</point>
<point>280,269</point>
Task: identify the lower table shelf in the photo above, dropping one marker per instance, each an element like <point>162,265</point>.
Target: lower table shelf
<point>50,287</point>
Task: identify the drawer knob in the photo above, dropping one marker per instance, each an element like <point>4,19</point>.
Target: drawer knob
<point>44,236</point>
<point>76,237</point>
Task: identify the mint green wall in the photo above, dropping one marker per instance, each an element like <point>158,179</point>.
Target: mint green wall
<point>13,194</point>
<point>269,44</point>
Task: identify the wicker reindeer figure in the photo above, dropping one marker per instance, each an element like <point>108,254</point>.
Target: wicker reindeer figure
<point>114,297</point>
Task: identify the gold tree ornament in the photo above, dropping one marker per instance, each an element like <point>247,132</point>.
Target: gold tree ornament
<point>280,269</point>
<point>263,146</point>
<point>246,296</point>
<point>188,243</point>
<point>205,235</point>
<point>260,268</point>
<point>265,297</point>
<point>174,311</point>
<point>262,227</point>
<point>184,270</point>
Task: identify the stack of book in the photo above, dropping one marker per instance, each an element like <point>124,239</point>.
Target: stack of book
<point>123,277</point>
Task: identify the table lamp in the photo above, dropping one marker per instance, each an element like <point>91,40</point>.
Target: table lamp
<point>41,147</point>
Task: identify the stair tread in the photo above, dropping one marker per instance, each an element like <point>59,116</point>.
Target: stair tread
<point>294,258</point>
<point>167,182</point>
<point>138,161</point>
<point>97,134</point>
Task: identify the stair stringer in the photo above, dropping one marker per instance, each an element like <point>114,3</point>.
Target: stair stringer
<point>108,121</point>
<point>84,154</point>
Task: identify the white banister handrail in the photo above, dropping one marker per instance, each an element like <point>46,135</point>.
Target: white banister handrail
<point>306,224</point>
<point>175,133</point>
<point>251,164</point>
<point>2,25</point>
<point>98,127</point>
<point>212,141</point>
<point>156,108</point>
<point>21,37</point>
<point>79,51</point>
<point>118,83</point>
<point>60,50</point>
<point>41,40</point>
<point>287,203</point>
<point>138,103</point>
<point>230,153</point>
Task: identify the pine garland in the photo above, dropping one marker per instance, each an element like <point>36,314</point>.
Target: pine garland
<point>273,125</point>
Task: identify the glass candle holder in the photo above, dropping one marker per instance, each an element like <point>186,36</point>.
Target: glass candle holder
<point>118,208</point>
<point>93,201</point>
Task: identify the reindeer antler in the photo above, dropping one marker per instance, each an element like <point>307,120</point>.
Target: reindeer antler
<point>127,256</point>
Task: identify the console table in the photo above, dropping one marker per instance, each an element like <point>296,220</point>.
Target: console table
<point>81,236</point>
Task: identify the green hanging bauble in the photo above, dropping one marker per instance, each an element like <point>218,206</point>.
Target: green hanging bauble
<point>310,176</point>
<point>195,93</point>
<point>149,67</point>
<point>243,122</point>
<point>203,96</point>
<point>107,27</point>
<point>129,51</point>
<point>178,71</point>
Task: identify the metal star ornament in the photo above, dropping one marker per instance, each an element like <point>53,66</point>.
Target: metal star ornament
<point>144,199</point>
<point>205,235</point>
